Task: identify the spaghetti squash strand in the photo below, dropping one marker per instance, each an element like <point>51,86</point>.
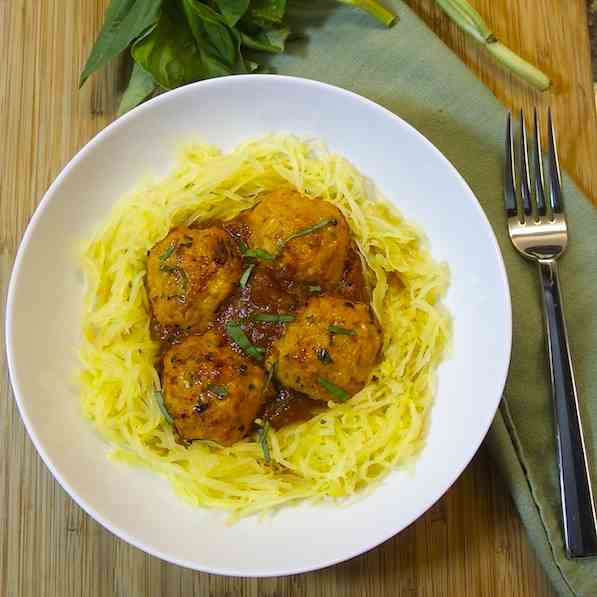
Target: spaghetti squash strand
<point>336,453</point>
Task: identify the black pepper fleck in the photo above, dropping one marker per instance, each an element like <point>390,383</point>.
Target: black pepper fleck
<point>324,356</point>
<point>200,407</point>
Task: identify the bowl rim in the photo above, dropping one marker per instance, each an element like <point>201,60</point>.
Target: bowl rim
<point>122,533</point>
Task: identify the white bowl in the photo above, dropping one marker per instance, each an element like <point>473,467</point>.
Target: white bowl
<point>44,306</point>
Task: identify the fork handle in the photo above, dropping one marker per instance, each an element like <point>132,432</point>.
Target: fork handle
<point>578,507</point>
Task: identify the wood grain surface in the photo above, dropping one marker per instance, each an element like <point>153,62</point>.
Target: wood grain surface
<point>592,18</point>
<point>554,36</point>
<point>470,544</point>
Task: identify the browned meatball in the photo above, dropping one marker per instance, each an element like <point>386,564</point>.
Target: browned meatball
<point>189,274</point>
<point>316,256</point>
<point>328,352</point>
<point>211,391</point>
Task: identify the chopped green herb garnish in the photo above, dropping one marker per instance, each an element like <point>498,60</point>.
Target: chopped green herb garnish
<point>168,251</point>
<point>263,443</point>
<point>324,356</point>
<point>244,279</point>
<point>160,400</point>
<point>181,276</point>
<point>314,288</point>
<point>268,380</point>
<point>219,391</point>
<point>259,254</point>
<point>190,378</point>
<point>256,253</point>
<point>311,229</point>
<point>237,335</point>
<point>267,256</point>
<point>340,331</point>
<point>271,317</point>
<point>333,389</point>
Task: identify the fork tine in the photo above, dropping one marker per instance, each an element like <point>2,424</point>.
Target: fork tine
<point>538,163</point>
<point>509,172</point>
<point>555,182</point>
<point>525,183</point>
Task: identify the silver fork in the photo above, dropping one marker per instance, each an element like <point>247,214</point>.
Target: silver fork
<point>539,232</point>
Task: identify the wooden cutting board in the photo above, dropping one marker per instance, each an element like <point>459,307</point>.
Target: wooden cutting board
<point>592,16</point>
<point>553,35</point>
<point>469,544</point>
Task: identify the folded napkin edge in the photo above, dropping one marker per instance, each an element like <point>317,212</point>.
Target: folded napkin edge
<point>512,455</point>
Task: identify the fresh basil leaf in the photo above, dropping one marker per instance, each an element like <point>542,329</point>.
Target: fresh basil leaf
<point>141,86</point>
<point>232,10</point>
<point>262,441</point>
<point>238,336</point>
<point>268,40</point>
<point>333,389</point>
<point>170,54</point>
<point>216,41</point>
<point>268,10</point>
<point>125,20</point>
<point>315,289</point>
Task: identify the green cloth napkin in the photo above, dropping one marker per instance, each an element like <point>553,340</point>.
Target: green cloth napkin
<point>410,71</point>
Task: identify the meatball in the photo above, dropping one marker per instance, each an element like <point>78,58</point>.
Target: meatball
<point>316,256</point>
<point>189,274</point>
<point>211,391</point>
<point>328,352</point>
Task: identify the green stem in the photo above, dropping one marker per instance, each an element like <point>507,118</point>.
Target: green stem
<point>375,9</point>
<point>517,65</point>
<point>467,18</point>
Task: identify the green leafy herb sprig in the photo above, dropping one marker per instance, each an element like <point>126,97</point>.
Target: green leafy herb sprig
<point>175,42</point>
